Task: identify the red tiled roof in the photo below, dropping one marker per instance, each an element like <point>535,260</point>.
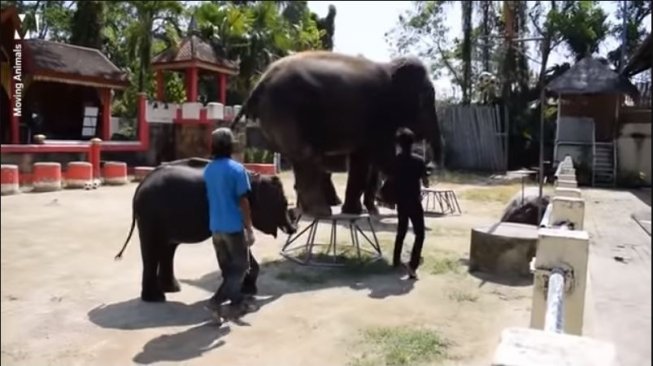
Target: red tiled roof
<point>194,48</point>
<point>67,60</point>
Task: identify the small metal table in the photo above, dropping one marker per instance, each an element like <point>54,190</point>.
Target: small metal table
<point>353,223</point>
<point>446,199</point>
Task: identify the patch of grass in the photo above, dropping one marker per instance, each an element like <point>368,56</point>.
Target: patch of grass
<point>302,277</point>
<point>462,296</point>
<point>439,265</point>
<point>491,194</point>
<point>399,346</point>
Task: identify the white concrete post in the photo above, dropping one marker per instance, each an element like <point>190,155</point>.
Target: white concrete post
<point>566,183</point>
<point>567,192</point>
<point>568,209</point>
<point>568,249</point>
<point>533,347</point>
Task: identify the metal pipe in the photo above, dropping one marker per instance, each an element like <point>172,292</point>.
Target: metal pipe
<point>554,317</point>
<point>541,162</point>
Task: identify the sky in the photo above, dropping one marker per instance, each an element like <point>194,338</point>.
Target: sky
<point>356,35</point>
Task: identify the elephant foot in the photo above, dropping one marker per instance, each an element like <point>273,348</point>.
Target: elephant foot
<point>170,286</point>
<point>153,296</point>
<point>352,209</point>
<point>372,210</point>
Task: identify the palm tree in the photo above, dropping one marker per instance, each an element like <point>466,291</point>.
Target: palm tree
<point>139,32</point>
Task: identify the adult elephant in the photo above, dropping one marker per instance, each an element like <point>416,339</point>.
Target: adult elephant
<point>170,207</point>
<point>317,106</point>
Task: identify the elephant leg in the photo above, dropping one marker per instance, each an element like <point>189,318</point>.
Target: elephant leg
<point>310,191</point>
<point>167,280</point>
<point>150,254</point>
<point>330,191</point>
<point>369,198</point>
<point>356,181</point>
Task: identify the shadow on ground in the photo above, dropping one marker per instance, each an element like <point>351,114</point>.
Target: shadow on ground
<point>505,280</point>
<point>643,194</point>
<point>191,343</point>
<point>278,278</point>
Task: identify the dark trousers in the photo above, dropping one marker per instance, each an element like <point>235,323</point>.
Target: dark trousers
<point>239,268</point>
<point>415,213</point>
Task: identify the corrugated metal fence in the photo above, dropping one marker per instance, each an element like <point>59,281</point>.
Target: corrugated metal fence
<point>474,137</point>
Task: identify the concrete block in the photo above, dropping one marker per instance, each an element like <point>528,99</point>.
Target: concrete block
<point>566,183</point>
<point>503,248</point>
<point>532,347</point>
<point>160,112</point>
<point>215,111</point>
<point>191,110</point>
<point>567,192</point>
<point>566,176</point>
<point>568,209</point>
<point>561,247</point>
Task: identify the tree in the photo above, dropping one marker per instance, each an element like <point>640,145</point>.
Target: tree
<point>139,32</point>
<point>467,49</point>
<point>582,26</point>
<point>54,22</point>
<point>422,31</point>
<point>87,24</point>
<point>257,33</point>
<point>635,12</point>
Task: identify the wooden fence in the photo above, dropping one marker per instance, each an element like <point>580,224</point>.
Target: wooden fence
<point>474,137</point>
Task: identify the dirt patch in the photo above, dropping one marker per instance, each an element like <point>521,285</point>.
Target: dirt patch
<point>66,301</point>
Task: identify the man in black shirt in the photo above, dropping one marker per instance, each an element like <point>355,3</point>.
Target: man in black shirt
<point>409,170</point>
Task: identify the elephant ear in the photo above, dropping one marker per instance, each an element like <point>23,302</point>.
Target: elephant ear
<point>408,79</point>
<point>408,74</point>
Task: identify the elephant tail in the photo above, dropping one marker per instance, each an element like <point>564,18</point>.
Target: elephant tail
<point>124,246</point>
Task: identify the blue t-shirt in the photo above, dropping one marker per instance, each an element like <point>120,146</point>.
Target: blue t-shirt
<point>226,181</point>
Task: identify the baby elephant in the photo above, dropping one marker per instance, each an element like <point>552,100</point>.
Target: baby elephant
<point>170,207</point>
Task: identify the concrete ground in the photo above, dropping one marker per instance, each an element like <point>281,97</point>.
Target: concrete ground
<point>66,302</point>
<point>620,272</point>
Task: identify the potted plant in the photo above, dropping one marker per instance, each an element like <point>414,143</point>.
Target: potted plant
<point>260,161</point>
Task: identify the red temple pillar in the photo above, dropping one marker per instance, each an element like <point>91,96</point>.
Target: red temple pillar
<point>105,100</point>
<point>222,80</point>
<point>143,127</point>
<point>191,84</point>
<point>160,86</point>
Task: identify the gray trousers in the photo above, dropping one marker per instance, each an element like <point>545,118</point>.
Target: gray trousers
<point>233,258</point>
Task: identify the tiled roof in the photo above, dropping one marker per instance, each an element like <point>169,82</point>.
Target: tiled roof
<point>65,59</point>
<point>193,48</point>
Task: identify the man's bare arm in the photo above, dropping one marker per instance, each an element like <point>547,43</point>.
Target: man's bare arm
<point>247,212</point>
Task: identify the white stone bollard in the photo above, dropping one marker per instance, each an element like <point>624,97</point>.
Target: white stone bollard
<point>533,347</point>
<point>570,250</point>
<point>566,183</point>
<point>568,209</point>
<point>566,176</point>
<point>567,192</point>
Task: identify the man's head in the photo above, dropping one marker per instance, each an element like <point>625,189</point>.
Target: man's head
<point>405,139</point>
<point>222,143</point>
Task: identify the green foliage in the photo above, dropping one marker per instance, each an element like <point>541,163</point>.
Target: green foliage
<point>635,13</point>
<point>582,26</point>
<point>87,23</point>
<point>258,156</point>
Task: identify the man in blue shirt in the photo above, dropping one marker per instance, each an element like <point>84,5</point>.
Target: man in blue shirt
<point>230,221</point>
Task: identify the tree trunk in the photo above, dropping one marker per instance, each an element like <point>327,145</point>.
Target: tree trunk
<point>486,4</point>
<point>467,50</point>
